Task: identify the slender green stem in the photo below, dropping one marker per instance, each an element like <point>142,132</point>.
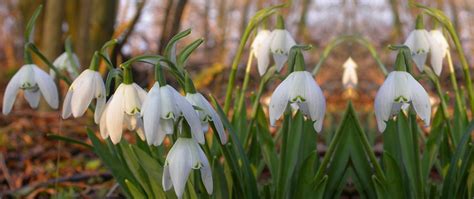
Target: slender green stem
<point>465,66</point>
<point>27,56</point>
<point>235,64</point>
<point>189,85</point>
<point>454,83</point>
<point>256,19</point>
<point>127,75</point>
<point>159,76</point>
<point>94,65</point>
<point>245,83</point>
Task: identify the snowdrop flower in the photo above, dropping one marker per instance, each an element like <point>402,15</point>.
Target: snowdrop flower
<point>162,108</point>
<point>261,50</point>
<point>439,49</point>
<point>184,156</point>
<point>419,43</point>
<point>302,92</point>
<point>63,63</point>
<point>123,108</point>
<point>399,90</point>
<point>349,77</point>
<point>280,44</point>
<point>83,90</point>
<point>33,81</point>
<point>206,114</point>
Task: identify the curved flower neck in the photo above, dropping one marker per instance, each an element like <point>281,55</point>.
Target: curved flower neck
<point>299,64</point>
<point>280,22</point>
<point>189,85</point>
<point>185,130</point>
<point>419,22</point>
<point>94,65</point>
<point>127,75</point>
<point>400,62</point>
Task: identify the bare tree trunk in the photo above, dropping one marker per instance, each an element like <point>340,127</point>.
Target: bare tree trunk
<point>51,44</point>
<point>171,26</point>
<point>102,21</point>
<point>73,19</point>
<point>302,24</point>
<point>398,33</point>
<point>82,28</point>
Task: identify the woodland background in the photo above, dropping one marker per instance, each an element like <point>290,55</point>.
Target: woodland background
<point>32,164</point>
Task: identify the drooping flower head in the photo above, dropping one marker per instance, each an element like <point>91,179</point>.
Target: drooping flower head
<point>34,82</point>
<point>439,49</point>
<point>281,43</point>
<point>162,108</point>
<point>205,111</point>
<point>349,77</point>
<point>301,91</point>
<point>63,63</point>
<point>184,156</point>
<point>261,50</point>
<point>123,109</point>
<point>399,90</point>
<point>419,43</point>
<point>87,86</point>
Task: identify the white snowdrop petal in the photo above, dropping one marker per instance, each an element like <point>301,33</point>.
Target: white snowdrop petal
<point>11,91</point>
<point>383,101</point>
<point>32,97</point>
<point>99,109</point>
<point>279,61</point>
<point>151,114</point>
<point>166,126</point>
<point>206,173</point>
<point>100,94</point>
<point>66,112</point>
<point>139,129</point>
<point>420,100</point>
<point>168,106</point>
<point>190,115</point>
<point>216,120</point>
<point>103,121</point>
<point>279,99</point>
<point>281,43</point>
<point>179,168</point>
<point>83,94</point>
<point>47,87</point>
<point>261,49</point>
<point>420,60</point>
<point>133,102</point>
<point>115,117</point>
<point>290,42</point>
<point>315,100</point>
<point>167,184</point>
